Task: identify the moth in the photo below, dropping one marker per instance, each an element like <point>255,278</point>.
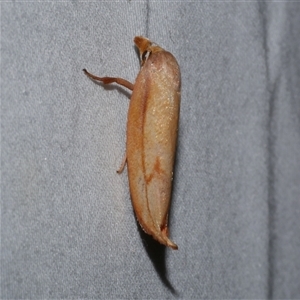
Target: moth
<point>152,127</point>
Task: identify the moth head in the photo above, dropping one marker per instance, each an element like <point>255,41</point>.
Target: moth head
<point>146,48</point>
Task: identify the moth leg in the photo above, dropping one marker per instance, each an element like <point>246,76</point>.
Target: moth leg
<point>120,170</point>
<point>107,80</point>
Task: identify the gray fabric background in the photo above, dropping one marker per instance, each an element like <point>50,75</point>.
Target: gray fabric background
<point>67,225</point>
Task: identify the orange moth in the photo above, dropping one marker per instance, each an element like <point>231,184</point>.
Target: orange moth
<point>151,136</point>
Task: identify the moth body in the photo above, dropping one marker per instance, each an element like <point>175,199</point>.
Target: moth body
<point>152,126</point>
